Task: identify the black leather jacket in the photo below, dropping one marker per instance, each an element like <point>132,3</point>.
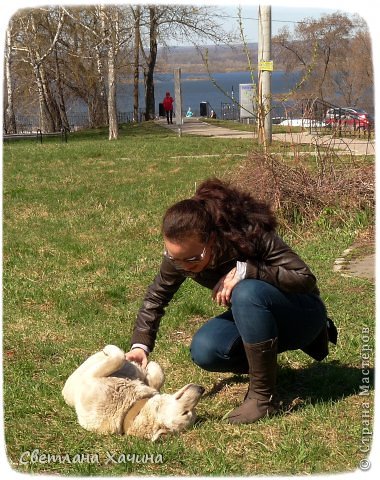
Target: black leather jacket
<point>275,263</point>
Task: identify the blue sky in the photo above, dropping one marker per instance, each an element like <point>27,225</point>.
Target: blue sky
<point>281,16</point>
<point>284,12</point>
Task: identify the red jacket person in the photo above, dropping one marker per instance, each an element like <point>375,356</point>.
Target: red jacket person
<point>168,106</point>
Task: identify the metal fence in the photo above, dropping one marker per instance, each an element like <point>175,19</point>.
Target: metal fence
<point>306,113</point>
<point>77,121</point>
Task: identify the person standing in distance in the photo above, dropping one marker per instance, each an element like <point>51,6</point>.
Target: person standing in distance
<point>168,107</point>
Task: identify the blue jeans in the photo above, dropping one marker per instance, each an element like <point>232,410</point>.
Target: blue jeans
<point>259,311</point>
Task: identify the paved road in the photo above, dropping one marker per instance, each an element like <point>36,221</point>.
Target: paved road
<point>348,146</point>
<point>195,126</point>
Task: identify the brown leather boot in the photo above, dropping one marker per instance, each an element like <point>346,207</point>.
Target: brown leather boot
<point>260,400</point>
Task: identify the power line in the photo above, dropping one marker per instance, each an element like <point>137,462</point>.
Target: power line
<point>256,19</point>
<point>300,22</point>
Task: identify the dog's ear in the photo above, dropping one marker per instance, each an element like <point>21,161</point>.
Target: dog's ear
<point>158,433</point>
<point>180,392</point>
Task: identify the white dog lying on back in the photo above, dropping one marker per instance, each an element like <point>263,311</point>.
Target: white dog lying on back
<point>112,395</point>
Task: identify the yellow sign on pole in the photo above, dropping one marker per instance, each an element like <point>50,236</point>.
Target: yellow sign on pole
<point>266,66</point>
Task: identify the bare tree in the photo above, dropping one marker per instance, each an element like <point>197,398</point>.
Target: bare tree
<point>354,78</point>
<point>110,29</point>
<point>329,50</point>
<point>35,46</point>
<point>162,24</point>
<point>110,25</point>
<point>60,90</point>
<point>136,60</point>
<point>115,34</point>
<point>9,114</point>
<point>150,62</point>
<point>83,52</point>
<point>84,61</point>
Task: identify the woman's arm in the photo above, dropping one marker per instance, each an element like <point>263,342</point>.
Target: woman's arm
<point>157,297</point>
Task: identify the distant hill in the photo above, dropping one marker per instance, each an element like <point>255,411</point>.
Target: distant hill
<point>220,58</point>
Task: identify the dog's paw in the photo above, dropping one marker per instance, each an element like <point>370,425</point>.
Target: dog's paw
<point>158,434</point>
<point>112,351</point>
<point>154,375</point>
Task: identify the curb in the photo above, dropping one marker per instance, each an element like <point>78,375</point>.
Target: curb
<point>342,262</point>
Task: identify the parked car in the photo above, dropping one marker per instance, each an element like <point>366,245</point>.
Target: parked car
<point>302,122</point>
<point>357,111</point>
<point>336,112</point>
<point>355,118</point>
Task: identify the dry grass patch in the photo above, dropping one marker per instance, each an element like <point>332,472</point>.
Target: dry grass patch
<point>301,191</point>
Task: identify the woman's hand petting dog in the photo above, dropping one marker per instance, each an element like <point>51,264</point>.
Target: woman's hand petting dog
<point>223,289</point>
<point>137,355</point>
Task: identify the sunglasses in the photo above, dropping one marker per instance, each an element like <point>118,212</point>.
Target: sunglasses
<point>191,260</point>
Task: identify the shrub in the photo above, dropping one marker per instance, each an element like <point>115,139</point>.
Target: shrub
<point>301,193</point>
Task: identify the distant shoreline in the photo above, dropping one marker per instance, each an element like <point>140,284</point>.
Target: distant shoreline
<point>220,58</point>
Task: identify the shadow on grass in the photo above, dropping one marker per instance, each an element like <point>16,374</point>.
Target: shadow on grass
<point>321,382</point>
<point>317,383</point>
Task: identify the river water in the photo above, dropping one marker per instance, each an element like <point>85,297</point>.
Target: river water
<point>199,87</point>
<point>196,88</point>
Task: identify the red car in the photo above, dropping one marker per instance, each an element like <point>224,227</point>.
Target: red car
<point>354,118</point>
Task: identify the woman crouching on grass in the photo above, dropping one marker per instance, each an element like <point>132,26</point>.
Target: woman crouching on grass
<point>226,241</point>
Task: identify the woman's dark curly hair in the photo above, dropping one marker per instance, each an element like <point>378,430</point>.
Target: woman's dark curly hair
<point>234,216</point>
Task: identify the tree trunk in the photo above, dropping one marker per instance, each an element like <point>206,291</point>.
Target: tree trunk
<point>150,109</point>
<point>112,110</point>
<point>98,112</point>
<point>9,119</point>
<point>46,120</point>
<point>149,95</point>
<point>50,102</point>
<point>102,109</point>
<point>109,26</point>
<point>136,65</point>
<point>49,114</point>
<point>98,117</point>
<point>61,98</point>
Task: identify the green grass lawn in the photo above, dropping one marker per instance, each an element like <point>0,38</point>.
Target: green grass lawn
<point>81,233</point>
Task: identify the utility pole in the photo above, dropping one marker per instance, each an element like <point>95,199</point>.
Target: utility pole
<point>265,68</point>
<point>178,100</point>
